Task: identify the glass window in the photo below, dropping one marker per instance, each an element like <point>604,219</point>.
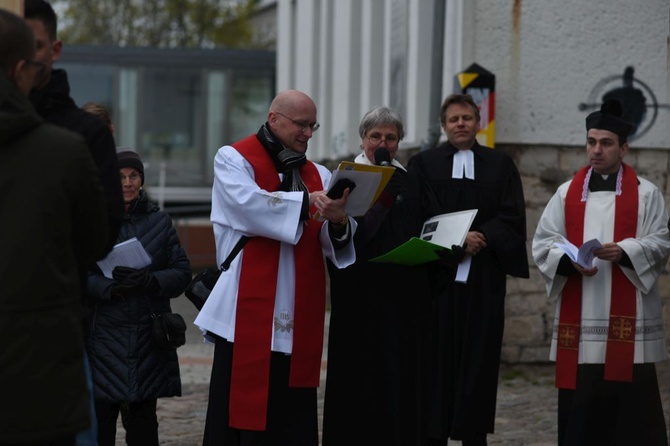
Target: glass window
<point>235,109</point>
<point>93,83</point>
<point>250,99</point>
<point>216,119</point>
<point>175,107</point>
<point>169,137</point>
<point>126,119</point>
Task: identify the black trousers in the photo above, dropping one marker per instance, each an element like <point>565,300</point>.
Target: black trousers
<point>292,412</point>
<point>612,413</point>
<point>139,420</point>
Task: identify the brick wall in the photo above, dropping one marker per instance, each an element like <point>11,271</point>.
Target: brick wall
<point>197,238</point>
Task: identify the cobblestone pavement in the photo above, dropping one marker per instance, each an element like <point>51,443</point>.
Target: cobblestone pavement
<point>526,414</point>
<point>526,406</point>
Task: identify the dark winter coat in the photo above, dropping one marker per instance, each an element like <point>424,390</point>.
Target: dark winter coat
<point>376,342</point>
<point>126,364</point>
<point>54,104</point>
<point>53,217</point>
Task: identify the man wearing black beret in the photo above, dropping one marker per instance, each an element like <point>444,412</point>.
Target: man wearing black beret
<point>608,326</point>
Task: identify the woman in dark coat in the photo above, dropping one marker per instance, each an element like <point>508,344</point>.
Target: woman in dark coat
<point>129,370</point>
<point>378,311</point>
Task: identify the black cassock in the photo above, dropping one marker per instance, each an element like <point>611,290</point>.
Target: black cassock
<point>376,345</point>
<point>467,320</point>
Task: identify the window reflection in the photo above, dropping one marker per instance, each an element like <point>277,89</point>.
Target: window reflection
<point>176,108</point>
<point>170,112</point>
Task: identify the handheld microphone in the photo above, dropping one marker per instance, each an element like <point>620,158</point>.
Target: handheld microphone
<point>382,157</point>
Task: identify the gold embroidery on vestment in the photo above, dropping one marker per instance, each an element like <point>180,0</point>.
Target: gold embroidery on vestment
<point>284,323</point>
<point>274,199</point>
<point>568,336</point>
<point>621,329</point>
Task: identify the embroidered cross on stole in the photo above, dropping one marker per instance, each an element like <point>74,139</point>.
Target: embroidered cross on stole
<point>619,356</point>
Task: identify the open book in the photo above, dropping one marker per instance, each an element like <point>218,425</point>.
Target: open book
<point>439,232</point>
<point>584,255</point>
<point>370,181</point>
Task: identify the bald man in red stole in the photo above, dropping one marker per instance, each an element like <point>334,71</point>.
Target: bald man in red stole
<point>266,313</point>
<point>608,326</point>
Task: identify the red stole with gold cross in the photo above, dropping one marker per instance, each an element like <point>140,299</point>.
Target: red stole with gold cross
<point>254,320</point>
<point>619,356</point>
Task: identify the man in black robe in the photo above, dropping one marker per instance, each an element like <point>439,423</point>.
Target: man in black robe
<point>468,317</point>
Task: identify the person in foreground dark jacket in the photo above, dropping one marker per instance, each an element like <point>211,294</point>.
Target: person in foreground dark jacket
<point>51,98</point>
<point>129,370</point>
<point>53,220</point>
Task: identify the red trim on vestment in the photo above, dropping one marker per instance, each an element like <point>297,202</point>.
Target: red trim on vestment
<point>569,323</point>
<point>620,354</point>
<point>620,343</point>
<point>250,377</point>
<point>310,298</point>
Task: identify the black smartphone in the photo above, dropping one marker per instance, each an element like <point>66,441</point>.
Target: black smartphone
<point>337,190</point>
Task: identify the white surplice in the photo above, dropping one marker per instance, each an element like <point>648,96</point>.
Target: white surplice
<point>648,252</point>
<point>241,207</point>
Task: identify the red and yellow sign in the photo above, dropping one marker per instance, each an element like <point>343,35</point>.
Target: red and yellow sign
<point>480,84</point>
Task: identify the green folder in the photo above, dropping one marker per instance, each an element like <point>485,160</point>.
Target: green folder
<point>447,229</point>
<point>413,252</point>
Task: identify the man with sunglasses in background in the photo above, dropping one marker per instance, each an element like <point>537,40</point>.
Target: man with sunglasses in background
<point>266,313</point>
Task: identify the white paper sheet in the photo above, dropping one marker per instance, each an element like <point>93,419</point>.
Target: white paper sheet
<point>362,196</point>
<point>448,229</point>
<point>463,270</point>
<point>584,255</point>
<point>130,253</point>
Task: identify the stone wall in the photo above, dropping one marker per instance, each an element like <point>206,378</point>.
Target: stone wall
<point>529,314</point>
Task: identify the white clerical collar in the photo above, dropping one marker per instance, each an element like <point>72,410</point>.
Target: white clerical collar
<point>362,159</point>
<point>464,162</point>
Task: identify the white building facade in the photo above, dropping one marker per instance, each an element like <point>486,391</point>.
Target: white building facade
<point>553,61</point>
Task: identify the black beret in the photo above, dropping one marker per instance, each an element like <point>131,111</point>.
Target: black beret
<point>609,118</point>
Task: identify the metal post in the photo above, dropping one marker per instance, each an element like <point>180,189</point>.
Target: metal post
<point>161,185</point>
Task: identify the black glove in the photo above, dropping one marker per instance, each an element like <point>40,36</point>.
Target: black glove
<point>119,273</point>
<point>135,279</point>
<point>451,257</point>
